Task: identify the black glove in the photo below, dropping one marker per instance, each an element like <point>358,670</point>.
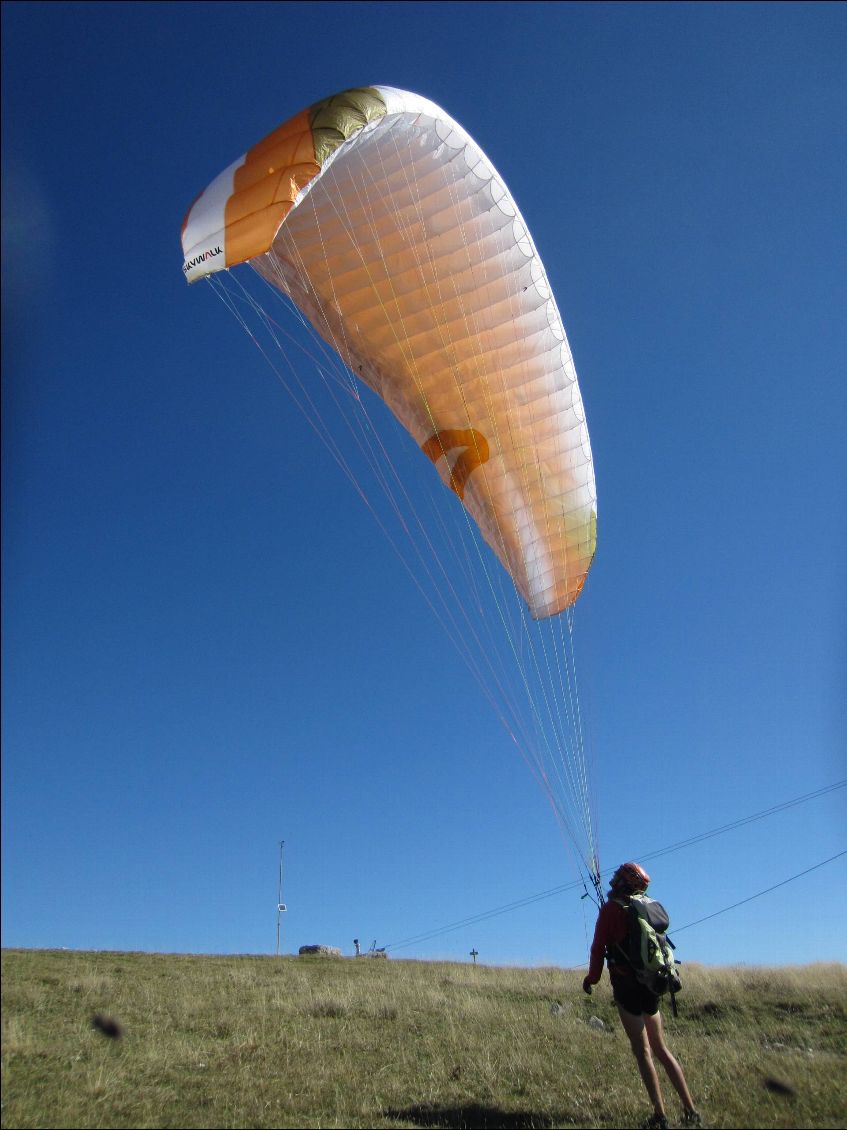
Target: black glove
<point>586,986</point>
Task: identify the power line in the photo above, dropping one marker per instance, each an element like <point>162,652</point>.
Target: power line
<point>745,820</point>
<point>473,919</point>
<point>483,916</point>
<point>759,894</point>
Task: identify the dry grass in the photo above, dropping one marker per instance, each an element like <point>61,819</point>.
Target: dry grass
<point>325,1042</point>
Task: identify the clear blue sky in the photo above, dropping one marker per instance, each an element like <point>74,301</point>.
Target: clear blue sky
<point>207,651</point>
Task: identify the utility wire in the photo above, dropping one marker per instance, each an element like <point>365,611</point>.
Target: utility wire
<point>759,894</point>
<point>741,902</point>
<point>473,919</point>
<point>529,899</point>
<point>745,820</point>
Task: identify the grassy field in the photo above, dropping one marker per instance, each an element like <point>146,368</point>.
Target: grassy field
<point>345,1042</point>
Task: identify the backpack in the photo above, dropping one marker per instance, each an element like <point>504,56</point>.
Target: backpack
<point>647,950</point>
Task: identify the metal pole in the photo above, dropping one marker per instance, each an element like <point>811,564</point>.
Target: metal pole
<point>279,902</point>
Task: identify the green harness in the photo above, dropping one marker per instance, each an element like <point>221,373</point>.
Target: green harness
<point>647,949</point>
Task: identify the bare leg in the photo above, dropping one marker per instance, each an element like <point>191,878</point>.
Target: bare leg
<point>636,1028</point>
<point>656,1038</point>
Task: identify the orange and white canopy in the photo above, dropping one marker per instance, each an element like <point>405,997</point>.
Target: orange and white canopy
<point>388,227</point>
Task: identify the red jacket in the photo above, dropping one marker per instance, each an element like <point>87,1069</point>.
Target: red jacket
<point>612,928</point>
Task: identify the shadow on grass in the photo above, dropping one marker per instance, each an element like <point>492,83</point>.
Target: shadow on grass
<point>472,1117</point>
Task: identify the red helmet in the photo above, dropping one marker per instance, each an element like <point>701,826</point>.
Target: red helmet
<point>630,877</point>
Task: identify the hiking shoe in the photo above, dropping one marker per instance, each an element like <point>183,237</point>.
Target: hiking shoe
<point>655,1122</point>
<point>691,1118</point>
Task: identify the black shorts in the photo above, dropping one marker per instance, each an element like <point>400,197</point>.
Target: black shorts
<point>633,997</point>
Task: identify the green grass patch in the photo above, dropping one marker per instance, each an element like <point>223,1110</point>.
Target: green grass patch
<point>329,1042</point>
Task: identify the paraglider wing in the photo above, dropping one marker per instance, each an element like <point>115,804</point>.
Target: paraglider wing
<point>387,226</point>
